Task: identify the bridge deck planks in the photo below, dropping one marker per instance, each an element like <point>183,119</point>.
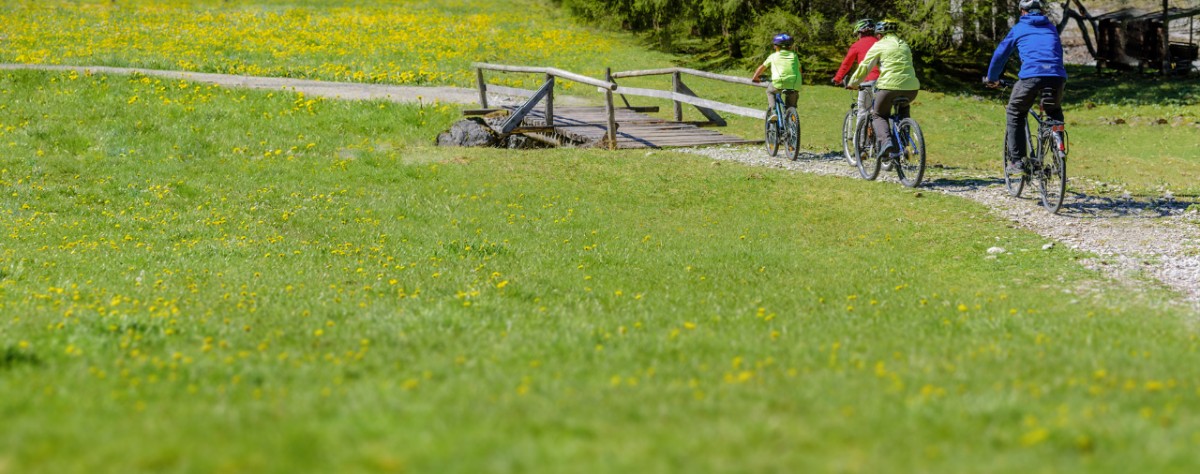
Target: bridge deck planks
<point>587,125</point>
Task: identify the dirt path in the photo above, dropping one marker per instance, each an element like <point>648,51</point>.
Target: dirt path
<point>338,90</point>
<point>1158,237</point>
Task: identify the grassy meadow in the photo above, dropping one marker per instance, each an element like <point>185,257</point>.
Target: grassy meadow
<point>200,279</point>
<point>1129,133</point>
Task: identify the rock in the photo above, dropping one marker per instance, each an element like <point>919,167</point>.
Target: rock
<point>469,132</point>
<point>995,250</point>
<point>1048,246</point>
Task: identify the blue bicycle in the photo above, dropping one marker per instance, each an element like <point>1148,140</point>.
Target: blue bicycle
<point>783,126</point>
<point>909,163</point>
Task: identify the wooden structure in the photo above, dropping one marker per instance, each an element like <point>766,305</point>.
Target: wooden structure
<point>1130,37</point>
<point>609,125</point>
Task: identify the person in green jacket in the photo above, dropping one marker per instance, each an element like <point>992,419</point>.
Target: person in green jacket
<point>897,78</point>
<point>785,71</point>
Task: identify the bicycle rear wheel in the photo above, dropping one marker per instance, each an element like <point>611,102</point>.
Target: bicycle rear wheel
<point>848,129</point>
<point>772,134</point>
<point>864,145</point>
<point>1051,175</point>
<point>791,133</point>
<point>1015,182</point>
<point>912,153</point>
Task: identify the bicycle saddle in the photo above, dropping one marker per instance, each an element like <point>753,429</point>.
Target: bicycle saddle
<point>1048,96</point>
<point>901,101</point>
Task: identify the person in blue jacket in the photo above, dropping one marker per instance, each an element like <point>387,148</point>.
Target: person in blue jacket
<point>1036,40</point>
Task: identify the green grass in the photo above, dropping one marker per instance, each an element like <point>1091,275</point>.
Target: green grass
<point>213,280</point>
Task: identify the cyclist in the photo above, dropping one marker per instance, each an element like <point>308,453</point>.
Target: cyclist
<point>1036,40</point>
<point>897,78</point>
<point>785,71</point>
<point>866,38</point>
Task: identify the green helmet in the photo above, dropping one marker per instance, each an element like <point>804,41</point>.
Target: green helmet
<point>864,25</point>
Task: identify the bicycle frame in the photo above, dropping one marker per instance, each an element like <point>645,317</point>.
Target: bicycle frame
<point>780,106</point>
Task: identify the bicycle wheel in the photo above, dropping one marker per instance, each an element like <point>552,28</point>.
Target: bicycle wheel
<point>772,135</point>
<point>848,129</point>
<point>791,133</point>
<point>864,144</point>
<point>1051,175</point>
<point>1015,181</point>
<point>912,153</point>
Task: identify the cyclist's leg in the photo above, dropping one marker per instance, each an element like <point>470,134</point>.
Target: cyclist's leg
<point>879,114</point>
<point>1054,107</point>
<point>771,90</point>
<point>906,108</point>
<point>864,104</point>
<point>1024,94</point>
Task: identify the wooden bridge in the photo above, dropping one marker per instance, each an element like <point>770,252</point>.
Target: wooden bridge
<point>609,125</point>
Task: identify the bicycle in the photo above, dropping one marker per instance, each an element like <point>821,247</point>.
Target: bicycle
<point>850,125</point>
<point>785,119</point>
<point>1047,163</point>
<point>909,162</point>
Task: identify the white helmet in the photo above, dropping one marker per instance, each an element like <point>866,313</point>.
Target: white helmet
<point>1031,5</point>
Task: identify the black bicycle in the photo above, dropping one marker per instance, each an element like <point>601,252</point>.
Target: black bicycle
<point>1047,163</point>
<point>909,162</point>
<point>783,126</point>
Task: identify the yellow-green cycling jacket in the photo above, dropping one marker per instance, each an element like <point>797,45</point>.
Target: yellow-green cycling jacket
<point>896,72</point>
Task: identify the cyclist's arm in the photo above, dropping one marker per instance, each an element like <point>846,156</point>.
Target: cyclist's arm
<point>869,61</point>
<point>1000,57</point>
<point>758,72</point>
<point>846,65</point>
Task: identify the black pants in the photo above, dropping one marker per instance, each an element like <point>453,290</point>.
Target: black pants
<point>881,111</point>
<point>1026,93</point>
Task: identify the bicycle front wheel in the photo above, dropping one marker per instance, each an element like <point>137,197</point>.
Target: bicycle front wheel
<point>772,135</point>
<point>848,129</point>
<point>912,153</point>
<point>864,145</point>
<point>791,133</point>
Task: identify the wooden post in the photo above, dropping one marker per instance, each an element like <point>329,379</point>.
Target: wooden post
<point>1166,59</point>
<point>550,101</point>
<point>482,88</point>
<point>612,120</point>
<point>676,82</point>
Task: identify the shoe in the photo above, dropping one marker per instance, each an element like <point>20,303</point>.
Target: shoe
<point>1016,167</point>
<point>886,152</point>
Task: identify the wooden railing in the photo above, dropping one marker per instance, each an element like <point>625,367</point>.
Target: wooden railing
<point>680,94</point>
<point>545,92</point>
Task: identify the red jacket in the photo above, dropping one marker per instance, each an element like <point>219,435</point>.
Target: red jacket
<point>856,54</point>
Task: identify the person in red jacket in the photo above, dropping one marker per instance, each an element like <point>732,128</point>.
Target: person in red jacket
<point>866,38</point>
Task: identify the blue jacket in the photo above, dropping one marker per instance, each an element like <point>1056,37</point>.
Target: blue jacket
<point>1036,40</point>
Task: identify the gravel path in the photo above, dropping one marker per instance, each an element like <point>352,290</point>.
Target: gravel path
<point>336,90</point>
<point>1129,237</point>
